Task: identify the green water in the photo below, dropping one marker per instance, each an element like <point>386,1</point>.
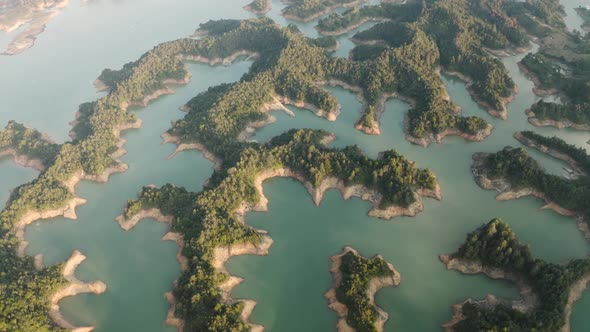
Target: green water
<point>289,283</point>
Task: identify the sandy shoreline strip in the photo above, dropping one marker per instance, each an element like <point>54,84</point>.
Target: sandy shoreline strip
<point>374,286</point>
<point>73,288</point>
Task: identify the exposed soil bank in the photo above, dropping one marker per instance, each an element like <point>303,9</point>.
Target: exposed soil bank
<point>501,113</point>
<point>156,214</point>
<point>74,287</point>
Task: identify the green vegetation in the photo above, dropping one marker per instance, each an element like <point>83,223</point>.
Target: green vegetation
<point>459,31</point>
<point>207,219</point>
<point>260,6</point>
<point>305,10</point>
<point>292,65</point>
<point>29,142</point>
<point>579,155</point>
<point>522,171</point>
<point>218,27</point>
<point>495,246</point>
<point>357,273</point>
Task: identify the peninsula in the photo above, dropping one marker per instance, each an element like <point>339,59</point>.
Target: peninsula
<point>548,290</point>
<point>513,173</point>
<point>207,223</point>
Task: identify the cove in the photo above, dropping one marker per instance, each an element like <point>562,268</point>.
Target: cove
<point>137,266</point>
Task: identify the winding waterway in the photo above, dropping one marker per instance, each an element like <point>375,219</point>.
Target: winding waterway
<point>43,86</point>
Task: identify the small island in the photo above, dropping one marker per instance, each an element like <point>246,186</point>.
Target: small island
<point>513,173</point>
<point>548,290</point>
<point>355,281</point>
<point>213,220</point>
<point>259,7</point>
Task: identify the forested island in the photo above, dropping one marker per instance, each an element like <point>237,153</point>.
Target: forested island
<point>356,279</point>
<point>259,7</point>
<point>513,173</point>
<point>548,290</point>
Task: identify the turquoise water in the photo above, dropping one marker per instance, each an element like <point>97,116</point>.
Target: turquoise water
<point>288,284</point>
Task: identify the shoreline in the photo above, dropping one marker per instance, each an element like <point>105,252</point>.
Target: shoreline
<point>68,209</point>
<point>374,286</point>
<point>502,113</point>
<point>576,169</point>
<point>321,13</point>
<point>226,61</point>
<point>156,214</point>
<point>73,288</point>
<point>540,92</point>
<point>528,300</point>
<point>565,123</point>
<point>22,159</point>
<point>438,138</point>
<point>168,138</point>
<point>317,194</point>
<point>506,193</point>
<point>267,9</point>
<point>526,304</point>
<point>575,293</point>
<point>36,18</point>
<point>379,107</point>
<point>351,27</point>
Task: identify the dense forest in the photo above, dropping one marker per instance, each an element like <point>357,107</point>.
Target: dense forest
<point>495,245</point>
<point>207,219</point>
<point>291,68</point>
<point>292,65</point>
<point>515,166</point>
<point>462,32</point>
<point>357,272</point>
<point>306,10</point>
